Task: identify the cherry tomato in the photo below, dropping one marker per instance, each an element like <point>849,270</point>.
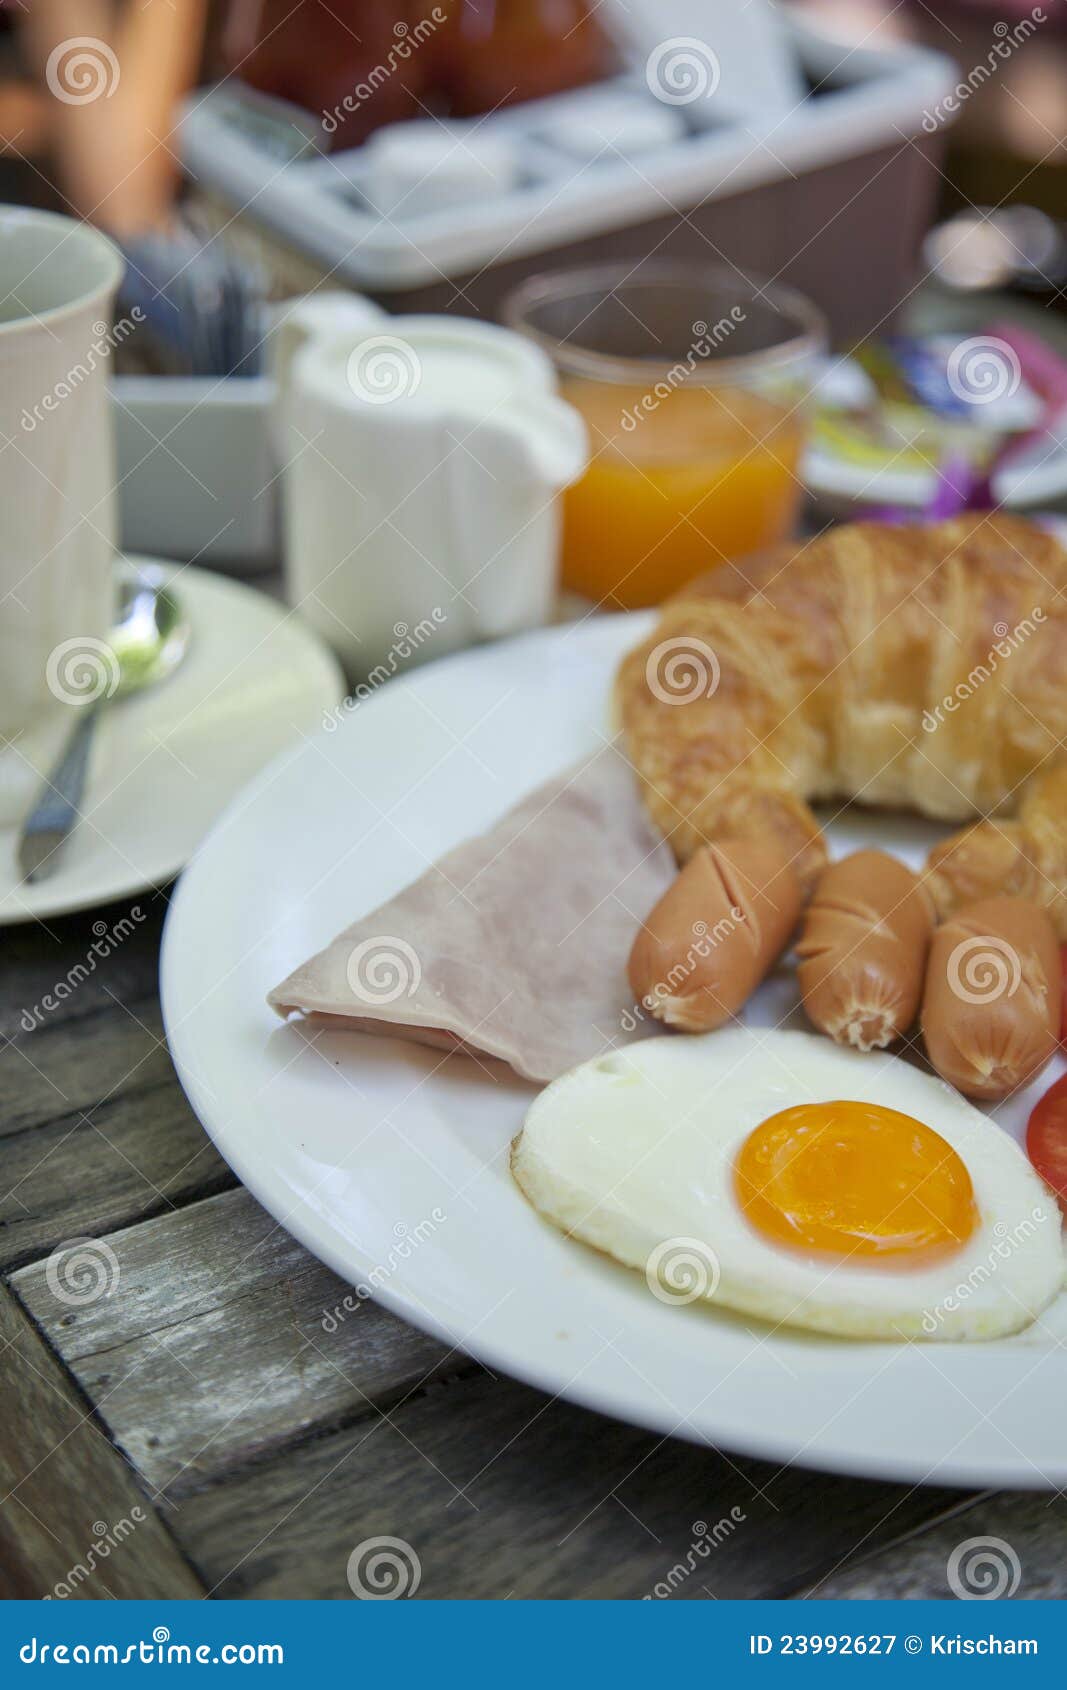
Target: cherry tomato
<point>1046,1139</point>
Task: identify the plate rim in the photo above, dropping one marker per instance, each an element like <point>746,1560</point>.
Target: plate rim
<point>295,1217</point>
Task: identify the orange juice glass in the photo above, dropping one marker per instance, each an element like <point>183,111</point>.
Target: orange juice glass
<point>693,381</point>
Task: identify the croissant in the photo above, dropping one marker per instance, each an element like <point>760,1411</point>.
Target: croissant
<point>920,668</point>
<point>1025,858</point>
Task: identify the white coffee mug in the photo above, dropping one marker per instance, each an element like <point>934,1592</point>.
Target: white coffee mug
<point>57,480</point>
<point>424,460</point>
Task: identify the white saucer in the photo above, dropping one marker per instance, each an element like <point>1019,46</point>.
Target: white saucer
<point>167,762</point>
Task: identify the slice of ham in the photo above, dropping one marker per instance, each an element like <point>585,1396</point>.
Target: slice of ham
<point>514,945</point>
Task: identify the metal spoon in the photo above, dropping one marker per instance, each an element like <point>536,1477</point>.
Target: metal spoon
<point>147,643</point>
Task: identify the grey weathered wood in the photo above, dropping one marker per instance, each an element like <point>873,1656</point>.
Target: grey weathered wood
<point>223,1340</point>
<point>94,1129</point>
<point>65,1068</point>
<point>502,1492</point>
<point>1032,1526</point>
<point>61,1481</point>
<point>280,1443</point>
<point>40,955</point>
<point>132,1156</point>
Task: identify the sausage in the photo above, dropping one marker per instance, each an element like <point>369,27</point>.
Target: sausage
<point>715,933</point>
<point>863,949</point>
<point>778,818</point>
<point>991,1012</point>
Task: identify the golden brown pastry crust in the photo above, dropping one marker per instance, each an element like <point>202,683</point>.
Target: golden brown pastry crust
<point>1026,858</point>
<point>920,668</point>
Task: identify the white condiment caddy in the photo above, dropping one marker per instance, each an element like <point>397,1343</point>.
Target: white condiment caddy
<point>603,171</point>
<point>320,205</point>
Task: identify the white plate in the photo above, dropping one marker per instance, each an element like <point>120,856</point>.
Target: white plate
<point>390,1163</point>
<point>168,761</point>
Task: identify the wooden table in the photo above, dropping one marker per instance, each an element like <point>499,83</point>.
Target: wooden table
<point>186,1423</point>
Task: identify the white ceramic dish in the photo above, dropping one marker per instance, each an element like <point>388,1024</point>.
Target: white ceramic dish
<point>168,761</point>
<point>390,1162</point>
<point>172,433</point>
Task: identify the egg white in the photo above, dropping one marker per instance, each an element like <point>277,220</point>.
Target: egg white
<point>633,1153</point>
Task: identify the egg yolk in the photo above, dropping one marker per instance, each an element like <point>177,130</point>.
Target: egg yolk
<point>854,1179</point>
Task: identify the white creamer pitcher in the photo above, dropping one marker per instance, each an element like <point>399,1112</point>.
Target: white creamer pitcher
<point>424,459</point>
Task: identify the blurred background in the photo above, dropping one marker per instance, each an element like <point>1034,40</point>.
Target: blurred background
<point>868,187</point>
<point>1005,145</point>
<point>519,309</point>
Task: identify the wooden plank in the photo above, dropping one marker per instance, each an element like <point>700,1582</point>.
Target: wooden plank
<point>73,1520</point>
<point>86,1174</point>
<point>502,1492</point>
<point>1029,1541</point>
<point>282,1427</point>
<point>222,1340</point>
<point>66,1068</point>
<point>95,1129</point>
<point>58,970</point>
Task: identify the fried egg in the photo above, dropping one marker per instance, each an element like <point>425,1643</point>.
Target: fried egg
<point>784,1177</point>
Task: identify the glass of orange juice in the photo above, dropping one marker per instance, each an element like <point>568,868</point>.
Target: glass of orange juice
<point>693,381</point>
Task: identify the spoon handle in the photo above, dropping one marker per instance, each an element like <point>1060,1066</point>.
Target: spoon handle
<point>58,804</point>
